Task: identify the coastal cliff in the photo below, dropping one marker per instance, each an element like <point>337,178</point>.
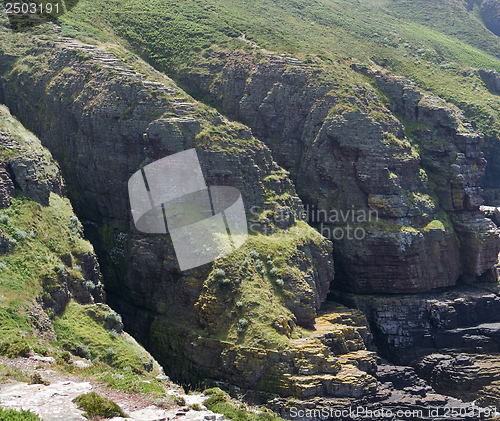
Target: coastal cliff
<point>302,139</point>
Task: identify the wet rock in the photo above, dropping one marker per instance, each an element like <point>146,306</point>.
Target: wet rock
<point>402,378</point>
<point>408,327</point>
<point>465,376</point>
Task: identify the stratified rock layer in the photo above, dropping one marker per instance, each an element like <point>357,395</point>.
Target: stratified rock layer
<point>465,376</point>
<point>346,144</point>
<point>453,158</point>
<point>408,327</point>
<point>103,122</point>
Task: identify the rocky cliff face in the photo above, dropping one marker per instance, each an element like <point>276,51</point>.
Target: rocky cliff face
<point>491,182</point>
<point>103,121</point>
<point>453,158</point>
<point>343,141</point>
<point>408,327</point>
<point>28,170</point>
<point>452,339</point>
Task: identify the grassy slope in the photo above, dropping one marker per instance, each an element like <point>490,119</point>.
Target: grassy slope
<point>40,236</point>
<point>432,43</point>
<point>253,287</point>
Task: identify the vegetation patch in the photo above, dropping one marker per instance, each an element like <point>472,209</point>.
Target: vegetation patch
<point>13,415</point>
<point>43,235</point>
<point>242,310</point>
<point>221,403</point>
<point>82,334</point>
<point>131,382</point>
<point>97,406</point>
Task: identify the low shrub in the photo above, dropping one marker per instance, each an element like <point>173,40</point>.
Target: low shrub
<point>113,318</point>
<point>220,273</point>
<point>13,415</point>
<point>224,281</point>
<point>20,234</point>
<point>66,356</point>
<point>242,325</point>
<point>15,348</point>
<point>97,406</point>
<point>254,254</point>
<point>36,378</point>
<point>83,351</point>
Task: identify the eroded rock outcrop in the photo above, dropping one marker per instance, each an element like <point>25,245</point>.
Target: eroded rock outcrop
<point>465,376</point>
<point>453,158</point>
<point>26,165</point>
<point>400,394</point>
<point>342,140</point>
<point>103,121</point>
<point>408,327</point>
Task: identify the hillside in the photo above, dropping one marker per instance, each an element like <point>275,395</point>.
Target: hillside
<point>372,118</point>
<point>436,45</point>
<point>431,44</point>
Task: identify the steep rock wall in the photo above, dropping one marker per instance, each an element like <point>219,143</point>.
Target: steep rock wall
<point>103,121</point>
<point>453,158</point>
<point>346,151</point>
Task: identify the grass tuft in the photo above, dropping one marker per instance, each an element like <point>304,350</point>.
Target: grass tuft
<point>97,406</point>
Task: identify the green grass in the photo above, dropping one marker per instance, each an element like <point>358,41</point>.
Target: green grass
<point>14,331</point>
<point>221,403</point>
<point>132,383</point>
<point>435,225</point>
<point>241,305</point>
<point>13,415</point>
<point>42,236</point>
<point>39,236</point>
<point>77,327</point>
<point>97,406</point>
<point>8,373</point>
<point>442,38</point>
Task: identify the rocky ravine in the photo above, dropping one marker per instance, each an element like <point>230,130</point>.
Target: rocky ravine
<point>102,121</point>
<point>88,89</point>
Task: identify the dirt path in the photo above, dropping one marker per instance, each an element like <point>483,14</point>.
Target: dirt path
<point>53,402</point>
